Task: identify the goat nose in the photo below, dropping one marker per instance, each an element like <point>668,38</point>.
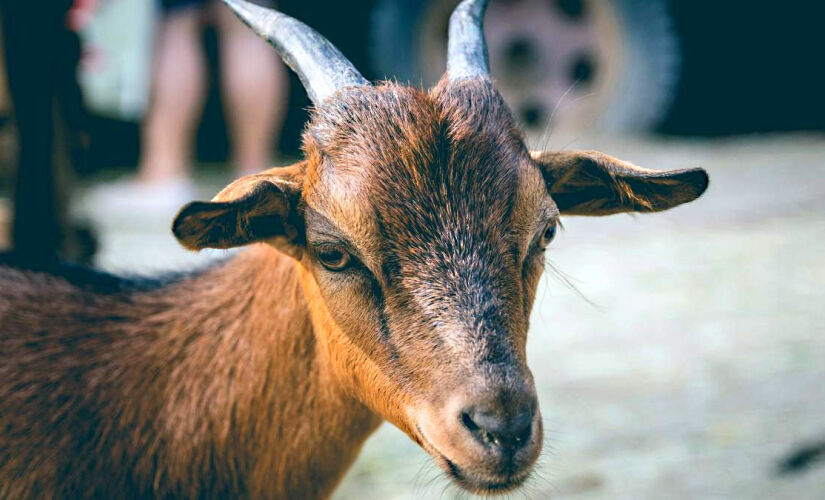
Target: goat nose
<point>499,427</point>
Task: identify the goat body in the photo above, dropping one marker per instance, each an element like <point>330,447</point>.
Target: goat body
<point>208,386</point>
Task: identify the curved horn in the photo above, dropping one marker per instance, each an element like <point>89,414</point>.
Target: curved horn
<point>320,66</point>
<point>466,49</point>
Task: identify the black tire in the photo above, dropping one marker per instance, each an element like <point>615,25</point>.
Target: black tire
<point>638,97</point>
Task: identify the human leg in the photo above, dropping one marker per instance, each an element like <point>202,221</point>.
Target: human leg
<point>255,92</point>
<point>177,98</point>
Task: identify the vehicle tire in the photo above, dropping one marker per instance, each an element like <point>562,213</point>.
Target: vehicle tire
<point>607,65</point>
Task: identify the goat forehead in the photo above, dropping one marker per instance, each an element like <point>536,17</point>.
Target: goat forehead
<point>448,204</point>
<point>451,197</point>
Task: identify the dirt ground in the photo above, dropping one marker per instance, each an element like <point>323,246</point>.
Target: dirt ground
<point>688,360</point>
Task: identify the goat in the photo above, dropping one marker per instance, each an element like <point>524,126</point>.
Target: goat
<point>390,275</point>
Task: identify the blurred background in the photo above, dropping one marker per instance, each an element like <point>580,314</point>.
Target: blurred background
<point>677,355</point>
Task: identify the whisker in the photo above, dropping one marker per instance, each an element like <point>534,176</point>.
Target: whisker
<point>567,280</point>
<point>561,100</point>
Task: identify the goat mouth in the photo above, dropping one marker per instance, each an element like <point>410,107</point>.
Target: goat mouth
<point>482,486</point>
<point>469,481</point>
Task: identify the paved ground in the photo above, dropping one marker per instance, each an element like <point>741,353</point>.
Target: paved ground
<point>697,359</point>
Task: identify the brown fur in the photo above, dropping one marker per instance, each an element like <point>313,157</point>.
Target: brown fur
<point>186,391</point>
<point>262,377</point>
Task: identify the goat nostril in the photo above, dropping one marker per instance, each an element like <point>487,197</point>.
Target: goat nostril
<point>522,422</point>
<point>520,429</point>
<point>523,435</point>
<point>499,431</point>
<point>468,422</point>
<point>483,434</point>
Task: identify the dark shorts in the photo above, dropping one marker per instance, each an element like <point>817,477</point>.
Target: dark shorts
<point>180,4</point>
<point>170,5</point>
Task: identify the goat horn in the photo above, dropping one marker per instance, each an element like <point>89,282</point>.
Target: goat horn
<point>321,67</point>
<point>466,49</point>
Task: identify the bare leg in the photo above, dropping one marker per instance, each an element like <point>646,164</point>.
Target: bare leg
<point>177,98</point>
<point>254,87</point>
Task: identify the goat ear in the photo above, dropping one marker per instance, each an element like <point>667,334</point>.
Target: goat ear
<point>259,207</point>
<point>593,183</point>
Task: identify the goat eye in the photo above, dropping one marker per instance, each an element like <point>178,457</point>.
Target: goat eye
<point>548,235</point>
<point>334,258</point>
